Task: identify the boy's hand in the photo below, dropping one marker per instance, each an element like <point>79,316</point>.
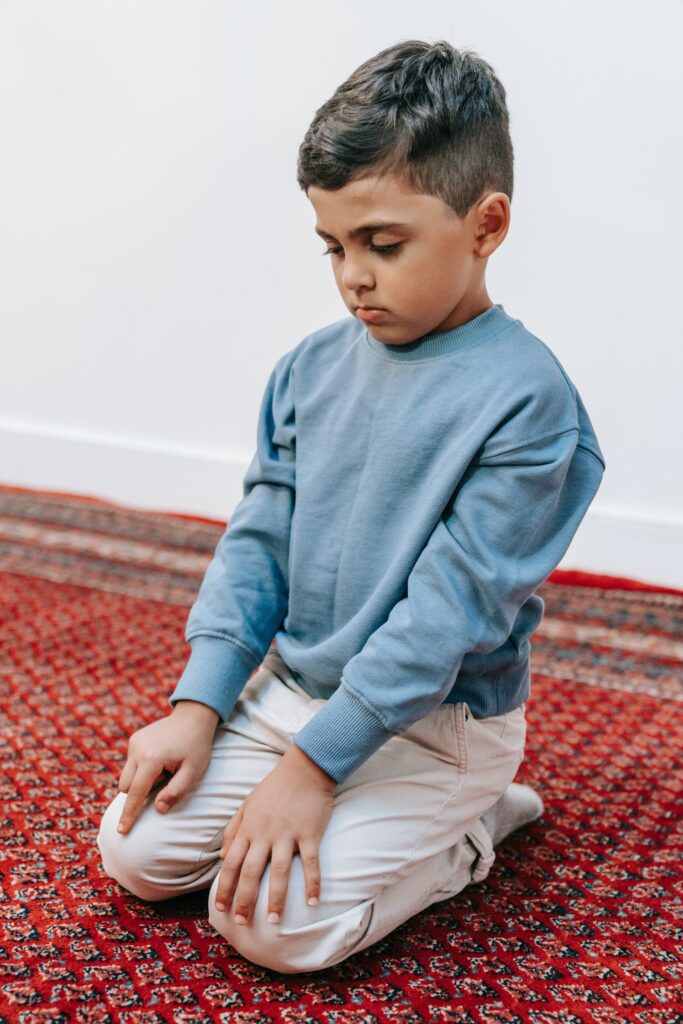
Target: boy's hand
<point>179,745</point>
<point>288,809</point>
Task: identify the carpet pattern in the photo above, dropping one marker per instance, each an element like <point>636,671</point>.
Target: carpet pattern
<point>579,920</point>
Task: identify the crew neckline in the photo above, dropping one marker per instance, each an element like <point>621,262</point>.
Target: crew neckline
<point>431,346</point>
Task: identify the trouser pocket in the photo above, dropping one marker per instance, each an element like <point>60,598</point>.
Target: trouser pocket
<point>460,719</point>
<point>494,738</point>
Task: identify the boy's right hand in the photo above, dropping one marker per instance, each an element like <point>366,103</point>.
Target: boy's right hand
<point>179,745</point>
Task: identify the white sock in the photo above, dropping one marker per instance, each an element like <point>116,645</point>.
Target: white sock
<point>518,805</point>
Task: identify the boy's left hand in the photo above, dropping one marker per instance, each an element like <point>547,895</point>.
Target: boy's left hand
<point>288,809</point>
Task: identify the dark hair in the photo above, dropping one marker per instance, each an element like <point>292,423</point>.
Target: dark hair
<point>427,112</point>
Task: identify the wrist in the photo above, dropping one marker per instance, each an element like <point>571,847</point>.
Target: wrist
<point>299,757</point>
<point>195,709</point>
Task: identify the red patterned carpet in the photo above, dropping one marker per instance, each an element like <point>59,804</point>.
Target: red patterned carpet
<point>579,920</point>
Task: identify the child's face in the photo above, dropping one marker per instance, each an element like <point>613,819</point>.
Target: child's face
<point>433,277</point>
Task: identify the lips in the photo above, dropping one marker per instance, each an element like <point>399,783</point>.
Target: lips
<point>370,314</point>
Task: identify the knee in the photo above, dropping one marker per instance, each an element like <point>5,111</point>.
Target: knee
<point>305,939</point>
<point>133,859</point>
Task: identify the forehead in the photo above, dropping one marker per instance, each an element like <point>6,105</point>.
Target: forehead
<point>369,203</point>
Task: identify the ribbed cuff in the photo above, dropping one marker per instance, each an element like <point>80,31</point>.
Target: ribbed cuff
<point>216,674</point>
<point>342,734</point>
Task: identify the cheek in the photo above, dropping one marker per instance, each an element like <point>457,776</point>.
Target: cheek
<point>445,277</point>
<point>413,282</point>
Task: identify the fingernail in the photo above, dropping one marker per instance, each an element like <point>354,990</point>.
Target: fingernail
<point>273,917</point>
<point>220,906</point>
<point>240,919</point>
<point>162,806</point>
<point>120,827</point>
<point>313,901</point>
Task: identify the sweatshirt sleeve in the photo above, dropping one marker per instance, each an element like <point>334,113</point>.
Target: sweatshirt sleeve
<point>243,596</point>
<point>505,529</point>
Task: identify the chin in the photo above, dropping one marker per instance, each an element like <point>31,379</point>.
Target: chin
<point>382,332</point>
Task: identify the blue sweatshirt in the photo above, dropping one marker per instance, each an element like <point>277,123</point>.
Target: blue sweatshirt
<point>403,504</point>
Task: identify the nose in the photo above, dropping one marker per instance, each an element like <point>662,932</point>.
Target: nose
<point>355,275</point>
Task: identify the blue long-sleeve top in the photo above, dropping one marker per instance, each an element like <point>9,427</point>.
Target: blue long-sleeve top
<point>403,504</point>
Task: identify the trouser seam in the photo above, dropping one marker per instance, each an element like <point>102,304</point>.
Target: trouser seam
<point>394,874</point>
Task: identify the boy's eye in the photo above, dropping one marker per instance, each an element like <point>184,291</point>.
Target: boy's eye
<point>373,248</point>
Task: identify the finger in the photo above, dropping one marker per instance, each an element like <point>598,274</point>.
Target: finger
<point>177,787</point>
<point>163,777</point>
<point>280,865</point>
<point>230,831</point>
<point>309,852</point>
<point>139,788</point>
<point>229,873</point>
<point>127,775</point>
<point>247,890</point>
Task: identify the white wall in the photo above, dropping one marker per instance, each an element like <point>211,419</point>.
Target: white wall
<point>157,256</point>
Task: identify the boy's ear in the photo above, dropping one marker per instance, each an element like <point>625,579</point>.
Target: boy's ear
<point>491,223</point>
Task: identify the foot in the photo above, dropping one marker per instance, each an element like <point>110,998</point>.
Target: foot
<point>518,805</point>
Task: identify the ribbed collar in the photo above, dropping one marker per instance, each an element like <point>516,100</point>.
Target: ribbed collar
<point>430,346</point>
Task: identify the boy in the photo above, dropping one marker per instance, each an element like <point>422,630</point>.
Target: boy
<point>421,467</point>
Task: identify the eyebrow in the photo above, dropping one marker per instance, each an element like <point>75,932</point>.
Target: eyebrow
<point>365,229</point>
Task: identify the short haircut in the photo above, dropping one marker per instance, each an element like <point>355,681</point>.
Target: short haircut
<point>427,112</point>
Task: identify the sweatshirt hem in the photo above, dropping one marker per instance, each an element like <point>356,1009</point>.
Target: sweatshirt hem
<point>495,695</point>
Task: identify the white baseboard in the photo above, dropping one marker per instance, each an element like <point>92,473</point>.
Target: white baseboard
<point>138,474</point>
<point>207,482</point>
<point>618,541</point>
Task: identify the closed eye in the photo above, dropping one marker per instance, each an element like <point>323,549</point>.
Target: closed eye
<point>386,249</point>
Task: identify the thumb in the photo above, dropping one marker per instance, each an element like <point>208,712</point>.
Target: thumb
<point>176,788</point>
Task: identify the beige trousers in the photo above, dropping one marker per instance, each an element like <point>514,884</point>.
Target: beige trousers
<point>404,833</point>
